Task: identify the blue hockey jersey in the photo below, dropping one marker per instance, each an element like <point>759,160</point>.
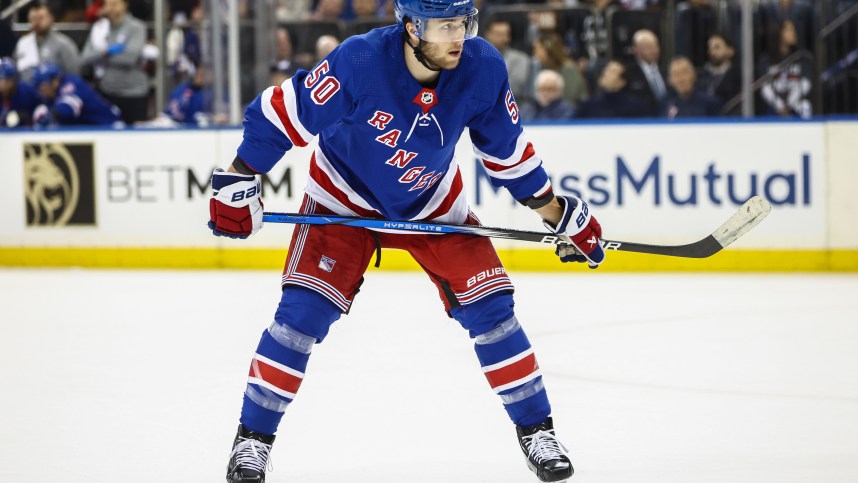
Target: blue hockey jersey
<point>187,103</point>
<point>23,102</point>
<point>386,143</point>
<point>78,103</point>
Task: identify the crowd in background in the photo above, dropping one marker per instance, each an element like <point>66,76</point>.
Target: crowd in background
<point>563,63</point>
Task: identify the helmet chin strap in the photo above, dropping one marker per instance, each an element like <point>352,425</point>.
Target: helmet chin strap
<point>418,52</point>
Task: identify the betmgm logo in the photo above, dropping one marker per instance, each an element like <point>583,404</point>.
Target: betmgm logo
<point>59,184</point>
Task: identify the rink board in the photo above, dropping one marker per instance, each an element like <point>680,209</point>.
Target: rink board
<point>139,198</point>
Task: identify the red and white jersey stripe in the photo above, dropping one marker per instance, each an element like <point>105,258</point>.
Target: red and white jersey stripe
<point>74,102</point>
<point>279,379</point>
<point>327,187</point>
<point>279,107</point>
<point>513,372</point>
<point>448,204</point>
<point>522,161</point>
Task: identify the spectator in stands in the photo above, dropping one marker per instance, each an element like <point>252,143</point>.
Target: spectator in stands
<point>774,12</point>
<point>94,11</point>
<point>18,99</point>
<point>280,75</point>
<point>387,9</point>
<point>293,10</point>
<point>720,77</point>
<point>366,9</point>
<point>44,44</point>
<point>613,100</point>
<point>141,9</point>
<point>695,23</point>
<point>325,44</point>
<point>284,56</point>
<point>190,102</point>
<point>183,48</point>
<point>786,91</point>
<point>549,104</point>
<point>683,100</point>
<point>115,48</point>
<point>498,33</point>
<point>644,77</point>
<point>549,51</point>
<point>68,99</point>
<point>329,10</point>
<point>593,39</point>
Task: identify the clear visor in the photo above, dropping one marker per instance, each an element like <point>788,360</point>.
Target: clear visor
<point>442,30</point>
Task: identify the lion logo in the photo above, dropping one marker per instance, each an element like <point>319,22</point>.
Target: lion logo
<point>51,184</point>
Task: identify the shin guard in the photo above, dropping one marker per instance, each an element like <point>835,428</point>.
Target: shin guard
<point>510,366</point>
<point>278,366</point>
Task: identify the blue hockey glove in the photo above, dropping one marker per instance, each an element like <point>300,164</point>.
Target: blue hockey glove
<point>115,49</point>
<point>582,229</point>
<point>235,208</point>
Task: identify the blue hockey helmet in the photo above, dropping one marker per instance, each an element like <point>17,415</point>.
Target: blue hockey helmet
<point>46,72</point>
<point>7,68</point>
<point>439,20</point>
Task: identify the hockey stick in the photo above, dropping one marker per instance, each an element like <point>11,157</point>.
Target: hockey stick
<point>748,216</point>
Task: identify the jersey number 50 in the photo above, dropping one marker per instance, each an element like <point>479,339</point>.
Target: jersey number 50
<point>511,107</point>
<point>324,90</point>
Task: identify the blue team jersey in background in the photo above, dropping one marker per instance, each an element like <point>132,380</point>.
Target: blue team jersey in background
<point>23,101</point>
<point>77,102</point>
<point>187,103</point>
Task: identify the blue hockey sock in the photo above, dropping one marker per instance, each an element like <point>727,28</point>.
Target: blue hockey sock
<point>276,373</point>
<point>506,357</point>
<point>510,366</point>
<point>278,366</point>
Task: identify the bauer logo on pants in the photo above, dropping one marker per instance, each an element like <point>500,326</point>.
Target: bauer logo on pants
<point>59,184</point>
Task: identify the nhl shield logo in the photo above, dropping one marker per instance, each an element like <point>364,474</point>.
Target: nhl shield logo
<point>426,99</point>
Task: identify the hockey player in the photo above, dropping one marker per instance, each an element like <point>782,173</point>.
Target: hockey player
<point>389,107</point>
<point>68,99</point>
<point>18,99</point>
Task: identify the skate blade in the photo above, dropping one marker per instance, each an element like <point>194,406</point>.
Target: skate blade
<point>532,468</point>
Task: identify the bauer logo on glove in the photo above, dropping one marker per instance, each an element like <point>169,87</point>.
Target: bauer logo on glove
<point>584,235</point>
<point>235,208</point>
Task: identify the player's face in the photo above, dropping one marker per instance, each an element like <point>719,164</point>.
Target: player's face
<point>7,85</point>
<point>444,55</point>
<point>48,90</point>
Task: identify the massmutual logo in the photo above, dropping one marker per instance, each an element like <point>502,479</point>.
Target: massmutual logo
<point>59,184</point>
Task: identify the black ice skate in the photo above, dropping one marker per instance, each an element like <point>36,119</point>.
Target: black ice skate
<point>249,457</point>
<point>546,456</point>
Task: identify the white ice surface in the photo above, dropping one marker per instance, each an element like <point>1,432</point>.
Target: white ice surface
<point>137,376</point>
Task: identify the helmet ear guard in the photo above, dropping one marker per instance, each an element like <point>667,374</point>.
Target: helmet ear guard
<point>418,49</point>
